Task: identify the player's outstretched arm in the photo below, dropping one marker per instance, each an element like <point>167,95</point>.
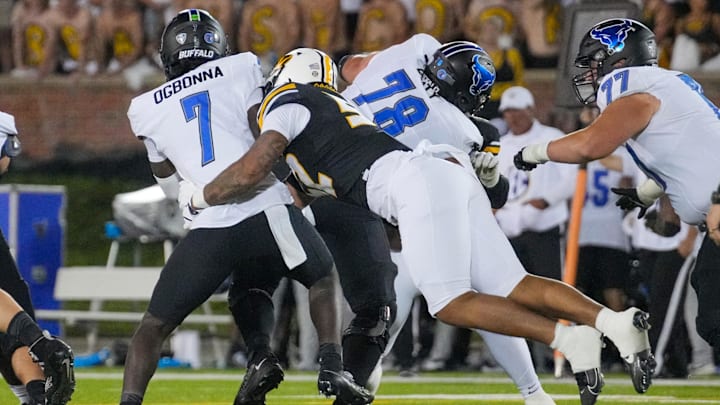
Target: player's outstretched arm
<point>241,177</point>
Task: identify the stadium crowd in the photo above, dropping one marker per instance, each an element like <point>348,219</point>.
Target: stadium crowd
<point>91,37</point>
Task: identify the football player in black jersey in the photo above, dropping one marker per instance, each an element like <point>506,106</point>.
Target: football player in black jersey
<point>439,207</point>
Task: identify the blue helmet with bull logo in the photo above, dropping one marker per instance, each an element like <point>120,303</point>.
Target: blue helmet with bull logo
<point>463,73</point>
<point>608,45</point>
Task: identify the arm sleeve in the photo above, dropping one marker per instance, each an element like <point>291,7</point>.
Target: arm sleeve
<point>154,155</point>
<point>498,195</point>
<point>287,119</point>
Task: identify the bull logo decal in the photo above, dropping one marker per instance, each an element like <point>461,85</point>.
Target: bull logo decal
<point>613,36</point>
<point>482,79</point>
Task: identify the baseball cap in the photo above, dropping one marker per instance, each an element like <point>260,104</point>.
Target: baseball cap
<point>516,97</point>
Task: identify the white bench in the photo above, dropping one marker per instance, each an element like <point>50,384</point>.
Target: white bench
<point>97,284</point>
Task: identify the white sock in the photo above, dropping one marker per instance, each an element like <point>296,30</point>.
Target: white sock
<point>604,320</point>
<point>539,397</point>
<point>581,346</point>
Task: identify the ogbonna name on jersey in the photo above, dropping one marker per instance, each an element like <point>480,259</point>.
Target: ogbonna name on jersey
<point>186,81</point>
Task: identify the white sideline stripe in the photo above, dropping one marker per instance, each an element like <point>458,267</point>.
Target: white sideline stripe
<point>516,397</point>
<point>190,376</point>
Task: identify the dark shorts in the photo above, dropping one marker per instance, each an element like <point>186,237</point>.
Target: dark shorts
<point>358,242</point>
<point>600,268</point>
<point>204,258</point>
<point>539,252</point>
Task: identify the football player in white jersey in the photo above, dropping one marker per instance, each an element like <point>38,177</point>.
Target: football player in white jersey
<point>395,87</point>
<point>194,126</point>
<point>442,212</point>
<point>22,342</point>
<point>668,126</point>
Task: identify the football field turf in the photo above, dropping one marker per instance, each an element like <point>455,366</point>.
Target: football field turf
<point>211,387</point>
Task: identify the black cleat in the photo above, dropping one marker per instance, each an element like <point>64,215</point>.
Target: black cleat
<point>260,378</point>
<point>641,365</point>
<point>343,386</point>
<point>590,383</point>
<point>58,363</point>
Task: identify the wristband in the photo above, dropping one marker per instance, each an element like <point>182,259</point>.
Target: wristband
<point>649,191</point>
<point>197,201</point>
<point>536,153</point>
<point>715,197</point>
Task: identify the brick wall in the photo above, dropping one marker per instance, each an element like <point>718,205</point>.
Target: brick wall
<point>84,120</point>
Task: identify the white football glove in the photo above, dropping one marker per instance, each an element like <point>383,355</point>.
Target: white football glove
<point>190,207</point>
<point>486,167</point>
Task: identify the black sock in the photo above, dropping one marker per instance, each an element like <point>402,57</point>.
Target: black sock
<point>24,329</point>
<point>36,391</point>
<point>254,315</point>
<point>131,399</point>
<point>329,357</point>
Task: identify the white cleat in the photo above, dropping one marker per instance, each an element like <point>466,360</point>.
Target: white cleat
<point>539,397</point>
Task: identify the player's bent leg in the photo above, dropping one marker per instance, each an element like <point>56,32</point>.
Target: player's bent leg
<point>628,331</point>
<point>142,358</point>
<point>496,314</point>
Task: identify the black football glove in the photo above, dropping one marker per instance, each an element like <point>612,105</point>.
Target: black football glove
<point>521,164</point>
<point>629,200</point>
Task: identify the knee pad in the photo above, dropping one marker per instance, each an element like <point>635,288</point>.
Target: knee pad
<point>373,324</point>
<point>8,345</point>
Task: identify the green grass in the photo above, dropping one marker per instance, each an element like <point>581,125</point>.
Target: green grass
<point>211,387</point>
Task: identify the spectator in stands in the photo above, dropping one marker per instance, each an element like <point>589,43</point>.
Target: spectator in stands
<point>541,27</point>
<point>70,36</point>
<point>323,26</point>
<point>268,28</point>
<point>697,38</point>
<point>155,14</point>
<point>442,19</point>
<point>6,7</point>
<point>536,211</point>
<point>30,31</point>
<point>121,42</point>
<point>496,37</point>
<point>659,16</point>
<point>381,23</point>
<point>21,339</point>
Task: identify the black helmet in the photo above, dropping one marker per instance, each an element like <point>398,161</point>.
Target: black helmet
<point>192,38</point>
<point>613,43</point>
<point>463,73</point>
